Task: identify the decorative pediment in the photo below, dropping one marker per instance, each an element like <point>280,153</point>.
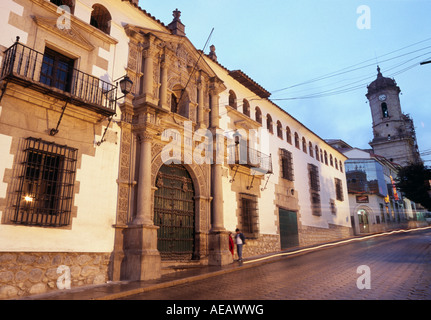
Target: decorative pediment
<point>180,48</point>
<point>70,34</point>
<point>242,121</point>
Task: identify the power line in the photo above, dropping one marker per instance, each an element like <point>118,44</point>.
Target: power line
<point>349,69</point>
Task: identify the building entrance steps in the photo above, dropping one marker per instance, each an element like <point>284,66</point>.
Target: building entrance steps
<point>123,289</point>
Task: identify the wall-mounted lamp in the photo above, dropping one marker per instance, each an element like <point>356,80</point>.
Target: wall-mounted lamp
<point>126,87</point>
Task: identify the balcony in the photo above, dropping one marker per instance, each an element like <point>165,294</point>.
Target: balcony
<point>242,155</point>
<point>57,78</point>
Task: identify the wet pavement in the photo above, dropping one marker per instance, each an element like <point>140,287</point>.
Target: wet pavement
<point>400,267</point>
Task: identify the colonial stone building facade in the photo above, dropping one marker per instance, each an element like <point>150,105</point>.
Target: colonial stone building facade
<point>102,184</point>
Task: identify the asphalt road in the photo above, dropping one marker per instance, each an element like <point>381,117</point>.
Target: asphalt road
<point>393,267</point>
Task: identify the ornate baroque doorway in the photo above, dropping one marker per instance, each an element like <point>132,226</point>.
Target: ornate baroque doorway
<point>174,213</point>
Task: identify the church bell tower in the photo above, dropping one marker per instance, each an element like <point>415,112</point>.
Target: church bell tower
<point>394,132</point>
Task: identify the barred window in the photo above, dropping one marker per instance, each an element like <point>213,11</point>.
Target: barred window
<point>339,189</point>
<point>249,216</point>
<point>313,173</point>
<point>44,192</point>
<point>286,165</point>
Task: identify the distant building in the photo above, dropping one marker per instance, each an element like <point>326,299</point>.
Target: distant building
<point>394,132</point>
<point>375,203</point>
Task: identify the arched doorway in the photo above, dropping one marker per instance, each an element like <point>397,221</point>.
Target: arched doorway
<point>174,213</point>
<point>363,219</point>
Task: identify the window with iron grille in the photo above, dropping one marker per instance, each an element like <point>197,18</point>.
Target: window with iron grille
<point>286,165</point>
<point>249,216</point>
<point>339,189</point>
<point>313,173</point>
<point>44,192</point>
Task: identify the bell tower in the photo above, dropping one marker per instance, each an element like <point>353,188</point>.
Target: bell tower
<point>393,131</point>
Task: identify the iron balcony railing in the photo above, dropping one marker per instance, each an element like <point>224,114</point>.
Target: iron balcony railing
<point>28,67</point>
<point>240,154</point>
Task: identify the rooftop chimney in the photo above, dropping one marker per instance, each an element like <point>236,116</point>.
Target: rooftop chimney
<point>176,26</point>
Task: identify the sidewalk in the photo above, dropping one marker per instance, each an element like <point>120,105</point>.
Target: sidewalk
<point>123,289</point>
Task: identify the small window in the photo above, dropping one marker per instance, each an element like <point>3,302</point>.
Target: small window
<point>258,115</point>
<point>385,111</point>
<point>101,18</point>
<point>332,206</point>
<point>69,3</point>
<point>279,130</point>
<point>288,135</point>
<point>174,103</point>
<point>326,157</point>
<point>249,216</point>
<point>45,190</point>
<point>331,160</point>
<point>304,145</point>
<point>296,140</point>
<point>232,99</point>
<point>246,108</point>
<point>269,123</point>
<point>316,149</point>
<point>286,165</point>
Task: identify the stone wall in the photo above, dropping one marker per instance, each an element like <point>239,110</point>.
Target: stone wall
<point>266,243</point>
<point>23,274</point>
<point>312,235</point>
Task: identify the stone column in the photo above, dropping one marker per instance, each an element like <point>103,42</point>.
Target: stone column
<point>143,212</point>
<point>148,73</point>
<point>218,240</point>
<point>164,85</point>
<point>142,260</point>
<point>200,119</point>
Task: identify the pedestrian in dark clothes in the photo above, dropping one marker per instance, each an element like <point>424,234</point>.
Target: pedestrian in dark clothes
<point>240,241</point>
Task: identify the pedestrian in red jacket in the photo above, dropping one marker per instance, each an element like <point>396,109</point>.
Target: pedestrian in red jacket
<point>231,244</point>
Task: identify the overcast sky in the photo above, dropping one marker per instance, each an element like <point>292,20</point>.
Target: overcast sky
<point>287,44</point>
